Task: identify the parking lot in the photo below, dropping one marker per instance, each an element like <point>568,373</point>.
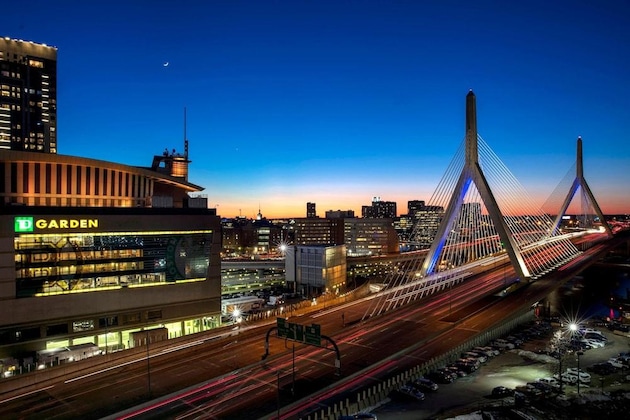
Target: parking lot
<point>514,369</point>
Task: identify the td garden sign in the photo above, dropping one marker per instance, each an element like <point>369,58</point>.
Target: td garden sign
<point>30,224</point>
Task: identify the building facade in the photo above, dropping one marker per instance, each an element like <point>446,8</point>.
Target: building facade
<point>370,237</point>
<point>339,214</point>
<point>314,270</point>
<point>311,210</point>
<point>94,252</point>
<point>28,96</point>
<point>379,209</point>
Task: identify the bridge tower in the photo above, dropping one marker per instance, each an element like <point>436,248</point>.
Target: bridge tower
<point>580,182</point>
<point>472,173</point>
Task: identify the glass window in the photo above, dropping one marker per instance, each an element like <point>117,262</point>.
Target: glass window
<point>83,325</point>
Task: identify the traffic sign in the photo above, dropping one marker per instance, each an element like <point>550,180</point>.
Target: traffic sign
<point>283,327</point>
<point>309,335</point>
<point>313,335</point>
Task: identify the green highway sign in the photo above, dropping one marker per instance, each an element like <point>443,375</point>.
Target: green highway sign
<point>297,332</point>
<point>283,327</point>
<point>313,335</point>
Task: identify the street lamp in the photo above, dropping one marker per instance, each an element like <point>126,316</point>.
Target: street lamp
<point>579,353</point>
<point>148,363</point>
<point>236,316</point>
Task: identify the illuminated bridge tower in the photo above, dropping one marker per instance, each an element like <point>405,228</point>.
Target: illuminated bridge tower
<point>588,199</point>
<point>480,228</point>
<point>481,224</point>
<point>472,173</point>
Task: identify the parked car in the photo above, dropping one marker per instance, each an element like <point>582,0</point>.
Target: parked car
<point>440,377</point>
<point>451,373</point>
<point>364,416</point>
<point>488,351</point>
<point>603,368</point>
<point>409,393</point>
<point>614,362</point>
<point>482,358</point>
<point>595,343</point>
<point>358,416</point>
<point>567,378</point>
<point>501,391</point>
<point>503,344</point>
<point>456,370</point>
<point>583,376</point>
<point>424,384</point>
<point>471,361</point>
<point>546,388</point>
<point>466,366</point>
<point>514,340</point>
<point>553,382</point>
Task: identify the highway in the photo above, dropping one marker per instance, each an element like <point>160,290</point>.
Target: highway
<point>223,376</point>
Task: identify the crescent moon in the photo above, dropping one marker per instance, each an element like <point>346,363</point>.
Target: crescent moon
<point>165,64</point>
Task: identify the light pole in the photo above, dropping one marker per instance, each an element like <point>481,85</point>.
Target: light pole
<point>579,353</point>
<point>148,365</point>
<point>236,316</point>
<point>278,386</point>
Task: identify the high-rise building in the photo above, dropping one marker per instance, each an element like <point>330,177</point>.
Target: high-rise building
<point>379,209</point>
<point>414,206</point>
<point>28,96</point>
<point>339,214</point>
<point>310,210</point>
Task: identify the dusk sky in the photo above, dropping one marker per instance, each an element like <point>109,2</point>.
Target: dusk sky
<point>336,102</point>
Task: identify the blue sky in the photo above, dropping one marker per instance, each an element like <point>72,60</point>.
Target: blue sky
<point>336,102</point>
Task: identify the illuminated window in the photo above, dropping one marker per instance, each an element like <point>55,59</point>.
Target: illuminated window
<point>84,325</point>
<point>36,63</point>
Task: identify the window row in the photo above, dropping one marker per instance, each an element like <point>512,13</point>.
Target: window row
<point>50,178</point>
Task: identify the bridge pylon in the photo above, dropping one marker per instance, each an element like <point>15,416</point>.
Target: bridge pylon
<point>472,173</point>
<point>587,195</point>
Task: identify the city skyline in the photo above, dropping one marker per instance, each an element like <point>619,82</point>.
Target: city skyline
<point>337,103</point>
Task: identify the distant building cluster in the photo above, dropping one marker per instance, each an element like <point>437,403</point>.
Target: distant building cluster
<point>379,232</point>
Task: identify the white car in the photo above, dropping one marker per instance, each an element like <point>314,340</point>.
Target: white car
<point>566,378</point>
<point>550,381</point>
<point>615,363</point>
<point>501,343</point>
<point>595,343</point>
<point>584,377</point>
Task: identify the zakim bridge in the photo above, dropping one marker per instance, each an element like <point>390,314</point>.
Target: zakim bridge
<point>487,219</point>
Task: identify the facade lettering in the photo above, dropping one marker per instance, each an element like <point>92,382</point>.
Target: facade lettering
<point>66,223</point>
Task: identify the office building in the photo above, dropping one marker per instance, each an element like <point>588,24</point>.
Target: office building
<point>315,269</point>
<point>310,210</point>
<point>426,224</point>
<point>379,209</point>
<point>339,214</point>
<point>360,236</point>
<point>95,252</point>
<point>365,237</point>
<point>28,96</point>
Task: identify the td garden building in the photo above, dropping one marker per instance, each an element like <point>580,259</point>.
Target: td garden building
<point>97,252</point>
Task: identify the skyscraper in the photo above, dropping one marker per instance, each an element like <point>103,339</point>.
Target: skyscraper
<point>379,209</point>
<point>310,210</point>
<point>28,96</point>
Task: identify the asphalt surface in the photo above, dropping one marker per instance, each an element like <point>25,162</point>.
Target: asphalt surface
<point>511,368</point>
